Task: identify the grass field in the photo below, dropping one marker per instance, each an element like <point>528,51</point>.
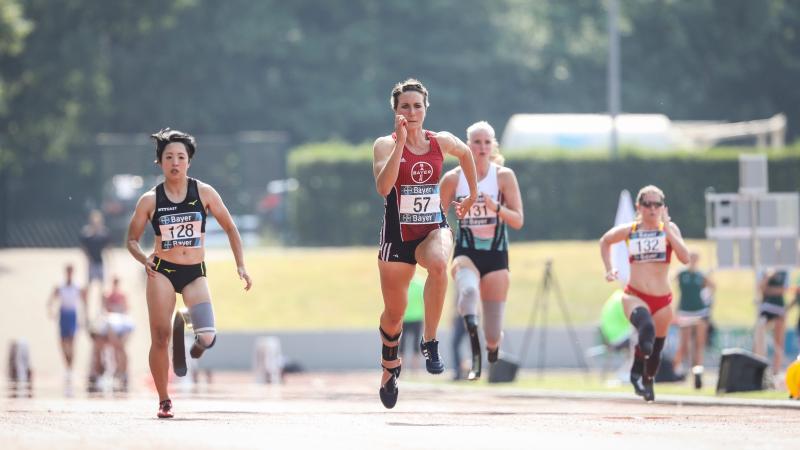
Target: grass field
<point>338,288</point>
<point>574,381</point>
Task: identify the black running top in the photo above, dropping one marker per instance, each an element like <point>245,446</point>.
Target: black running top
<point>179,224</point>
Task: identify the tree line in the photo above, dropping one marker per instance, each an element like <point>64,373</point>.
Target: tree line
<point>323,70</point>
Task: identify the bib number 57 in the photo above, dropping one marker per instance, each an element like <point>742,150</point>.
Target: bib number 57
<point>421,204</point>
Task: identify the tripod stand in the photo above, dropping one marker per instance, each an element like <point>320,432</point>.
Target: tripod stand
<point>541,304</point>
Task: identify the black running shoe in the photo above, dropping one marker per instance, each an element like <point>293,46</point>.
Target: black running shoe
<point>649,394</point>
<point>698,381</point>
<point>492,355</point>
<point>389,391</point>
<point>165,409</point>
<point>638,384</point>
<point>433,362</point>
<point>475,371</point>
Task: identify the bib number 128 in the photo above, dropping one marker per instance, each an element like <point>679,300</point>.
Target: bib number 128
<point>183,230</point>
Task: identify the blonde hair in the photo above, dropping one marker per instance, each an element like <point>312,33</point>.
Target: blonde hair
<point>495,156</point>
<point>649,189</point>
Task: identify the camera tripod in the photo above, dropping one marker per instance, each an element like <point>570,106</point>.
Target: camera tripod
<point>540,303</point>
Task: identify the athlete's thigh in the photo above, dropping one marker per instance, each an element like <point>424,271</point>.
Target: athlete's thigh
<point>701,331</point>
<point>779,328</point>
<point>160,301</point>
<point>494,285</point>
<point>631,302</point>
<point>685,334</point>
<point>395,278</point>
<point>435,248</point>
<point>463,262</point>
<point>196,292</point>
<point>662,319</point>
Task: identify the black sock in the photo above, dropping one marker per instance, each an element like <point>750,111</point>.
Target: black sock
<point>638,366</point>
<point>655,358</point>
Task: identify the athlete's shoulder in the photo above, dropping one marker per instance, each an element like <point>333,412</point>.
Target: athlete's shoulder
<point>454,171</point>
<point>442,136</point>
<point>503,170</point>
<point>149,196</point>
<point>202,185</point>
<point>384,141</point>
<point>674,227</point>
<point>451,174</point>
<point>446,140</point>
<point>207,192</point>
<point>147,203</point>
<point>505,173</point>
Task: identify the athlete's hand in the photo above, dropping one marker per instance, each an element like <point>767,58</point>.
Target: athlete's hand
<point>665,217</point>
<point>150,265</point>
<point>612,274</point>
<point>491,205</point>
<point>400,129</point>
<point>244,276</point>
<point>463,207</point>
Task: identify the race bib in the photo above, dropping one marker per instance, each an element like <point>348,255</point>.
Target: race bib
<point>480,219</point>
<point>180,230</point>
<point>645,246</point>
<point>420,204</point>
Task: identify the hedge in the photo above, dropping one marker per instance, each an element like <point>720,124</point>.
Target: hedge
<point>565,195</point>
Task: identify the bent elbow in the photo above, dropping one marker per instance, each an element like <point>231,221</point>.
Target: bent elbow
<point>382,190</point>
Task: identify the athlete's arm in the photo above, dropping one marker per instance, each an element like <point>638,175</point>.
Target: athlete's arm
<point>141,215</point>
<point>387,153</point>
<point>447,189</point>
<point>453,145</point>
<point>709,282</point>
<point>612,236</point>
<point>674,235</point>
<point>212,200</point>
<point>511,212</point>
<point>53,298</point>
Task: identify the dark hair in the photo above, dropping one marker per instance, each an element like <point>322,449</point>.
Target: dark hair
<point>410,84</point>
<point>166,136</point>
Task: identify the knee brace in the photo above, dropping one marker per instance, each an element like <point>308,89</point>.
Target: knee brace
<point>467,287</point>
<point>643,322</point>
<point>202,315</point>
<point>655,358</point>
<point>493,312</point>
